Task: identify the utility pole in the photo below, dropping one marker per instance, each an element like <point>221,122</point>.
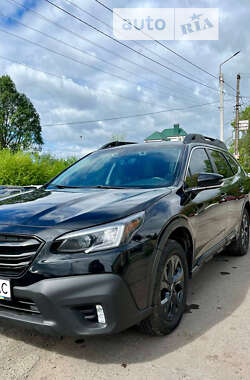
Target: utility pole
<point>222,96</point>
<point>237,107</point>
<point>221,107</point>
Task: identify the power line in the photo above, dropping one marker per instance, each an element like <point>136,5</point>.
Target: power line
<point>73,79</point>
<point>81,37</point>
<point>64,43</point>
<point>228,85</point>
<point>97,45</point>
<point>134,42</point>
<point>86,53</point>
<point>80,62</point>
<point>63,78</point>
<point>129,47</point>
<point>93,43</point>
<point>130,116</point>
<point>30,67</point>
<point>158,42</point>
<point>108,119</point>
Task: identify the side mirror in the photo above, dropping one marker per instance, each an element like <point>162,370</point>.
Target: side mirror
<point>209,179</point>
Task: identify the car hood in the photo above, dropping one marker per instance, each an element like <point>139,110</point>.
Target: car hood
<point>75,208</point>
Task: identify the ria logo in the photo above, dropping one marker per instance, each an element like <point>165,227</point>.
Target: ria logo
<point>197,24</point>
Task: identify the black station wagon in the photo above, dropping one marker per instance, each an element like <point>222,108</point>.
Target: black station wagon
<point>113,240</point>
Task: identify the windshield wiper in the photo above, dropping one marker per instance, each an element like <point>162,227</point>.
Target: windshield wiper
<point>107,187</point>
<point>65,186</point>
<point>85,187</point>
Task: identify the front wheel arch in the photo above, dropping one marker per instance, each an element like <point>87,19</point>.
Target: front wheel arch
<point>179,231</point>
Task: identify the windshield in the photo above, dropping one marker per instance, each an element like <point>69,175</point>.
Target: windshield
<point>144,167</point>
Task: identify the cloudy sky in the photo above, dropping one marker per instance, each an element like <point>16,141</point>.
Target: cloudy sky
<point>73,74</point>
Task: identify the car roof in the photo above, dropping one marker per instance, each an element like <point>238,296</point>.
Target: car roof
<point>145,146</point>
<point>191,140</point>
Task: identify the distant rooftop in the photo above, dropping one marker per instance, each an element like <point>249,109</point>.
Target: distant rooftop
<point>175,134</point>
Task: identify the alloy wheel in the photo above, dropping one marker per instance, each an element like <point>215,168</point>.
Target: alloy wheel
<point>172,287</point>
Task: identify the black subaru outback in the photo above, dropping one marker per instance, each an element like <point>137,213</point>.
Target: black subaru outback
<point>112,241</point>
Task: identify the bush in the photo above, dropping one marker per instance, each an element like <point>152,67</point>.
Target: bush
<point>22,169</point>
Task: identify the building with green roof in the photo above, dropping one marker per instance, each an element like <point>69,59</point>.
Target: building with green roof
<point>172,134</point>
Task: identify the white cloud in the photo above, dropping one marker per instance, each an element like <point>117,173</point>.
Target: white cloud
<point>86,94</point>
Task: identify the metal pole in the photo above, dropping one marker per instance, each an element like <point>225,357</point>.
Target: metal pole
<point>222,97</point>
<point>237,117</point>
<point>221,106</point>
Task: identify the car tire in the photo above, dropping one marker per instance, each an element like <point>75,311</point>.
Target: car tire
<point>170,291</point>
<point>240,246</point>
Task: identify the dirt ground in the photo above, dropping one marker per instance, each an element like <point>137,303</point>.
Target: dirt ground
<point>212,342</point>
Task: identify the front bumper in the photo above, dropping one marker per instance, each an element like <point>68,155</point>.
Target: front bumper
<point>60,302</point>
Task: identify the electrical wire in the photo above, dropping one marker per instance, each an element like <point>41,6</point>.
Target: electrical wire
<point>82,63</point>
<point>109,119</point>
<point>130,116</point>
<point>158,42</point>
<point>134,42</point>
<point>129,47</point>
<point>37,14</point>
<point>92,55</point>
<point>64,78</point>
<point>97,45</point>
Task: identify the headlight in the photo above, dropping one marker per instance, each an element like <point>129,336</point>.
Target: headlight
<point>97,239</point>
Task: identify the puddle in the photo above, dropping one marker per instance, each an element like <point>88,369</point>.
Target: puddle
<point>189,308</point>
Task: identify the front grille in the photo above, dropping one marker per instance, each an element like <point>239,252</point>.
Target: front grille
<point>16,253</point>
<point>19,305</point>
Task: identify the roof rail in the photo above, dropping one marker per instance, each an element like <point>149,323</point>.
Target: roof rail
<point>113,144</point>
<point>196,138</point>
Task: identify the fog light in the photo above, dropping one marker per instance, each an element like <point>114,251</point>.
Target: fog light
<point>100,314</point>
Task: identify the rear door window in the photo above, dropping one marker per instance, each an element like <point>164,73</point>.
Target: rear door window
<point>199,163</point>
<point>221,163</point>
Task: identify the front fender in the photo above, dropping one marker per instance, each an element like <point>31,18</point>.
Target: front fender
<point>174,223</point>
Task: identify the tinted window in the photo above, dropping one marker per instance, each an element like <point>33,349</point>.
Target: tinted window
<point>199,163</point>
<point>124,167</point>
<point>233,164</point>
<point>221,164</point>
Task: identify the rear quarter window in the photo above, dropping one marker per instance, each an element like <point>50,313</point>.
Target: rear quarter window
<point>235,167</point>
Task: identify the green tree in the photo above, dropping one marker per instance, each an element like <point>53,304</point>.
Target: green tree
<point>19,121</point>
<point>244,142</point>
